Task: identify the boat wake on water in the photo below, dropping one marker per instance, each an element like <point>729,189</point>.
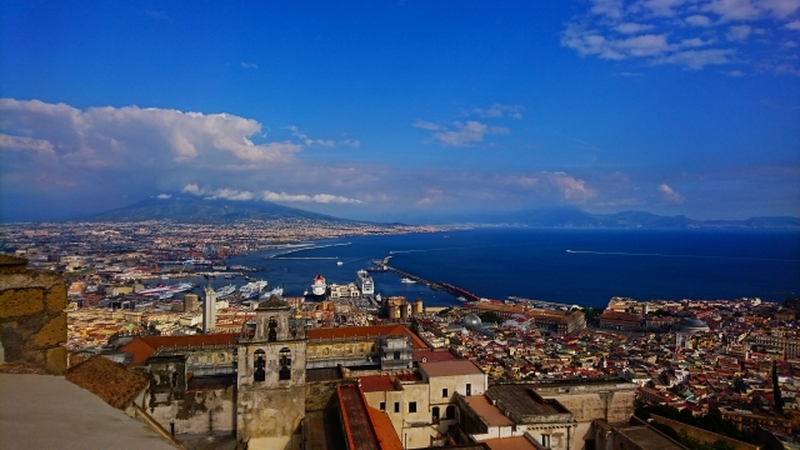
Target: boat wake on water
<point>668,255</point>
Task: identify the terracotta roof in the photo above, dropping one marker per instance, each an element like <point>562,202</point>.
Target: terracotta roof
<point>370,331</point>
<point>377,383</point>
<point>108,380</point>
<point>510,443</point>
<point>449,368</point>
<point>433,356</point>
<point>144,347</point>
<point>387,436</point>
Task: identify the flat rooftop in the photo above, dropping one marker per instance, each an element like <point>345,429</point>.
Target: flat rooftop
<point>488,412</point>
<point>449,368</point>
<point>522,402</point>
<point>44,411</point>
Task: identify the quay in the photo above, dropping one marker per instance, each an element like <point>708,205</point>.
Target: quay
<point>435,285</point>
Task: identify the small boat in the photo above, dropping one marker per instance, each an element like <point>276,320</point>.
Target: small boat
<point>339,263</point>
<point>407,281</point>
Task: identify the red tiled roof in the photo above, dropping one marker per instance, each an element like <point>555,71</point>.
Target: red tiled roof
<point>108,380</point>
<point>374,330</point>
<point>144,347</point>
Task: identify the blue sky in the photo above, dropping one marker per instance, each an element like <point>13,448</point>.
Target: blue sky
<point>407,111</point>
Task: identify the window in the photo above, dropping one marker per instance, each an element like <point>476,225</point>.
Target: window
<point>259,365</point>
<point>412,407</point>
<point>469,389</point>
<point>435,414</point>
<point>545,440</point>
<point>285,361</point>
<point>397,407</point>
<point>445,394</point>
<point>396,355</point>
<point>383,406</point>
<point>272,335</point>
<point>450,412</point>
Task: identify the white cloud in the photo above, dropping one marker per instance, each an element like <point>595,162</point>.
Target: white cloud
<point>663,7</point>
<point>571,188</point>
<point>632,28</point>
<point>164,196</point>
<point>669,195</point>
<point>698,59</point>
<point>283,197</point>
<point>698,20</point>
<point>498,110</point>
<point>738,32</point>
<point>659,32</point>
<point>465,134</point>
<point>192,188</point>
<point>21,143</point>
<point>425,125</point>
<point>248,65</point>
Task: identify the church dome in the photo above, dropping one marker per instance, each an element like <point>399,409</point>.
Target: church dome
<point>693,325</point>
<point>472,320</point>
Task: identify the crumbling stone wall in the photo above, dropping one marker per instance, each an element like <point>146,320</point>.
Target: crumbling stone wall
<point>32,318</point>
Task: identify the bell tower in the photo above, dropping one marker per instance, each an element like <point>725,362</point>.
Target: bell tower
<point>271,377</point>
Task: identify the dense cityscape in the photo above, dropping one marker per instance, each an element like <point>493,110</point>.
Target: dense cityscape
<point>128,301</point>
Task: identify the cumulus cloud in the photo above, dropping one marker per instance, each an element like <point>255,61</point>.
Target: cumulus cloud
<point>669,195</point>
<point>164,196</point>
<point>659,32</point>
<point>283,197</point>
<point>571,188</point>
<point>131,137</point>
<point>21,143</point>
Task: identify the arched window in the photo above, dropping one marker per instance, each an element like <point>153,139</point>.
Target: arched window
<point>259,366</point>
<point>435,414</point>
<point>450,412</point>
<point>272,334</point>
<point>285,361</point>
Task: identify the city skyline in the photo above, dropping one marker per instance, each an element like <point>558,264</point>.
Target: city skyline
<point>403,111</point>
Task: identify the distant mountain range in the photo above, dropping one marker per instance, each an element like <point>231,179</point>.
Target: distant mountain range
<point>193,209</point>
<point>567,217</point>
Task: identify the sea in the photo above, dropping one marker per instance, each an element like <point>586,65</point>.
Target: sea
<point>571,266</point>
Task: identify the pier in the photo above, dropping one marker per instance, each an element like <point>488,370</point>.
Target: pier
<point>435,285</point>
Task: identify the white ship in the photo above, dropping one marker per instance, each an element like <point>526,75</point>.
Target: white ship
<point>318,286</point>
<point>407,281</point>
<point>365,283</point>
<point>277,292</point>
<point>252,289</point>
<point>165,292</point>
<point>225,291</point>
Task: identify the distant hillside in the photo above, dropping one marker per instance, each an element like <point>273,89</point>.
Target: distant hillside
<point>193,209</point>
<point>569,217</point>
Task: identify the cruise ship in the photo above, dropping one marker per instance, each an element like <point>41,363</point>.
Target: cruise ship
<point>252,289</point>
<point>365,283</point>
<point>225,291</point>
<point>318,287</point>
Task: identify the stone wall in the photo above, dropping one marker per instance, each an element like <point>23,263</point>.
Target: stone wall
<point>701,434</point>
<point>33,323</point>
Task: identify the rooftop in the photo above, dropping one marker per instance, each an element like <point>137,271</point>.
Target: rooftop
<point>488,412</point>
<point>364,332</point>
<point>108,380</point>
<point>449,368</point>
<point>144,347</point>
<point>42,411</point>
<point>522,403</point>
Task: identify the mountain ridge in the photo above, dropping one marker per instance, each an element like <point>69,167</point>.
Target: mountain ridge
<point>194,209</point>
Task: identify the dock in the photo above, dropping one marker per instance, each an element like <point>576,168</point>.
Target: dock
<point>435,285</point>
